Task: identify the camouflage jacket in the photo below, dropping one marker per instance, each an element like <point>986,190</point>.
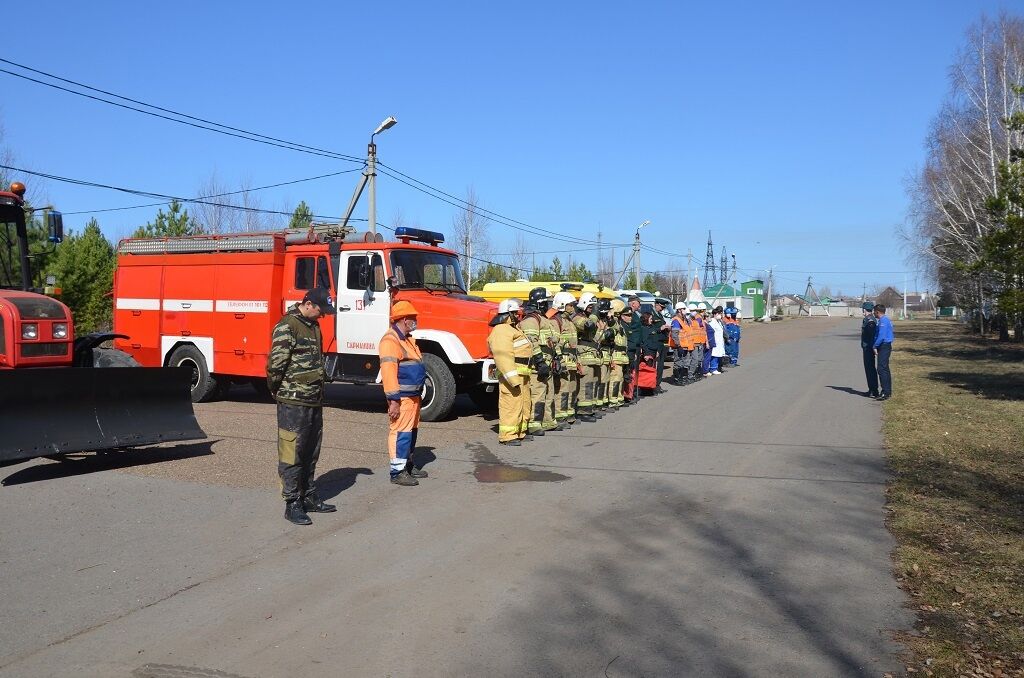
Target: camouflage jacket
<point>295,366</point>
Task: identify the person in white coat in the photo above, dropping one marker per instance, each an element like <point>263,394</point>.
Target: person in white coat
<point>717,328</point>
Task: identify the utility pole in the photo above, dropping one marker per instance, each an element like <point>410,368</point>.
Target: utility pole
<point>904,296</point>
<point>768,301</point>
<point>469,261</point>
<point>864,293</point>
<point>636,254</point>
<point>369,177</point>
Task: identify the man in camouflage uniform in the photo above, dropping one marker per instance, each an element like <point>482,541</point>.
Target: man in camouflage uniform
<point>295,375</point>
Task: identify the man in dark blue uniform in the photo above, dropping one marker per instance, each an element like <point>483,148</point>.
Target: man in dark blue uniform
<point>868,330</point>
<point>883,349</point>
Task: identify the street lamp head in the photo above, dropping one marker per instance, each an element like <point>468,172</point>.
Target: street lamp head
<point>388,123</point>
<point>642,225</point>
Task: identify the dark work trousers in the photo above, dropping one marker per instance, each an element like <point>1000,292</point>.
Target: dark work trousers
<point>869,370</point>
<point>884,376</point>
<point>660,359</point>
<point>299,431</point>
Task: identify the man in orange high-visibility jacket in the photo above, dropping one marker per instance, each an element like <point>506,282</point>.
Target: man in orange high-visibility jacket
<point>403,374</point>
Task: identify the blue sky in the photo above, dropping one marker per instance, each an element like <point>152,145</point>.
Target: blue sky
<point>786,129</point>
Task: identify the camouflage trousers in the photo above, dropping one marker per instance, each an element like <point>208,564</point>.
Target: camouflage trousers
<point>299,433</point>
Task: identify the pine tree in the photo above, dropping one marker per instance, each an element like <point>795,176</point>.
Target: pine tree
<point>302,217</point>
<point>174,222</point>
<point>84,268</point>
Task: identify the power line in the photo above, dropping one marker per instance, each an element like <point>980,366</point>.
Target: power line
<point>217,195</point>
<point>499,219</point>
<point>199,123</point>
<point>165,197</point>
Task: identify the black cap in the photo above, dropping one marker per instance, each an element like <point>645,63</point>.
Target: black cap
<point>322,298</point>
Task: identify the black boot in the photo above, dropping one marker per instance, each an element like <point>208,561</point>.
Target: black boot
<point>404,479</point>
<point>314,504</point>
<point>293,513</point>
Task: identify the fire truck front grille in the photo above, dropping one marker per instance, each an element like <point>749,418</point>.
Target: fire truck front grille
<point>50,348</point>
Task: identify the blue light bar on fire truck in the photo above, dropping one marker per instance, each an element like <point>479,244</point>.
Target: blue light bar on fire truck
<point>406,234</point>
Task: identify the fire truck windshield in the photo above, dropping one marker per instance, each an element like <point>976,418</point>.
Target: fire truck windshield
<point>428,270</point>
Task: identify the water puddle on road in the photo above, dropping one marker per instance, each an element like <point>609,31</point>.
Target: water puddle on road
<point>491,469</point>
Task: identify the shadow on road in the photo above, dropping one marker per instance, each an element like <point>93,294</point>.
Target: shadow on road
<point>847,389</point>
<point>74,465</point>
<point>337,480</point>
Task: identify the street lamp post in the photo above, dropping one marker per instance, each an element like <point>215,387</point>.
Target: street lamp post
<point>369,176</point>
<point>636,255</point>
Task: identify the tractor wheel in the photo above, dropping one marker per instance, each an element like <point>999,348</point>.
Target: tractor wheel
<point>204,384</point>
<point>112,357</point>
<point>438,391</point>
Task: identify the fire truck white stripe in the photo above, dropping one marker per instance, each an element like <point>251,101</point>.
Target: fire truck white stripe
<point>188,305</point>
<point>129,304</point>
<point>241,306</point>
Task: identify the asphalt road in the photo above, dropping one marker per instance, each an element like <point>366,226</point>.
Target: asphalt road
<point>732,528</point>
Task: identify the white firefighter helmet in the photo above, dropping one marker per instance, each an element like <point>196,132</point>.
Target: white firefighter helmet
<point>509,306</point>
<point>562,299</point>
<point>586,299</point>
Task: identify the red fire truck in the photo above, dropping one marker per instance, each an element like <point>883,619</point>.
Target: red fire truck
<point>210,302</point>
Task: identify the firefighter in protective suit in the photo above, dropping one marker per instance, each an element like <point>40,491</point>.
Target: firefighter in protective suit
<point>589,353</point>
<point>606,340</point>
<point>619,357</point>
<point>568,377</point>
<point>512,352</point>
<point>537,329</point>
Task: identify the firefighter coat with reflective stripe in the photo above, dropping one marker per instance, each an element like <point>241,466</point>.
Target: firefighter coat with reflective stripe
<point>295,365</point>
<point>586,339</point>
<point>567,330</point>
<point>538,330</point>
<point>401,365</point>
<point>619,355</point>
<point>511,350</point>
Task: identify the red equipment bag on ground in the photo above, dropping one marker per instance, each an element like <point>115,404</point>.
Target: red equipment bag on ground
<point>648,375</point>
<point>629,385</point>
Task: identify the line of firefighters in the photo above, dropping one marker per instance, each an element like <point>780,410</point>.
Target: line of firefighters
<point>561,361</point>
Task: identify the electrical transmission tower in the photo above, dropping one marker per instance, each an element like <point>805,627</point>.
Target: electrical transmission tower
<point>710,269</point>
<point>723,267</point>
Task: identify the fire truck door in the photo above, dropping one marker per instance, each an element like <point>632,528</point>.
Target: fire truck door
<point>361,287</point>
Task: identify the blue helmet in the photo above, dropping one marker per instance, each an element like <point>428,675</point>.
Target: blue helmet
<point>731,310</point>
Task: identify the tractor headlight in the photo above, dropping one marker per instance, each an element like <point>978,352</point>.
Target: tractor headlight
<point>60,331</point>
<point>29,331</point>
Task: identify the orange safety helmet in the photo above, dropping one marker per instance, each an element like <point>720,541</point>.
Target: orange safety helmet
<point>402,309</point>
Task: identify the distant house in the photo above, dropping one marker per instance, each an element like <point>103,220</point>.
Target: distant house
<point>917,302</point>
<point>890,298</point>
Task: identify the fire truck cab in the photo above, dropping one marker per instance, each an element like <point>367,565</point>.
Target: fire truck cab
<point>210,303</point>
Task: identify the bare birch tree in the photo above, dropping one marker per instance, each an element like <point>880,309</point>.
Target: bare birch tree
<point>965,147</point>
<point>470,237</point>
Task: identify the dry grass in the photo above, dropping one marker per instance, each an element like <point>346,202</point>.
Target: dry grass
<point>954,430</point>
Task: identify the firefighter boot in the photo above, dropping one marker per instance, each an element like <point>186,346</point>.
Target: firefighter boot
<point>293,513</point>
<point>314,504</point>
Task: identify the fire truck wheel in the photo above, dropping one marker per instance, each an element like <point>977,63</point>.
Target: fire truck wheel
<point>438,391</point>
<point>204,385</point>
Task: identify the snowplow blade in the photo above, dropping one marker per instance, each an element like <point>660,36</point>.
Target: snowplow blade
<point>49,411</point>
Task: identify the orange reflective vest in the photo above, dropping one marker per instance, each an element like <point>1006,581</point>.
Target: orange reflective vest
<point>401,365</point>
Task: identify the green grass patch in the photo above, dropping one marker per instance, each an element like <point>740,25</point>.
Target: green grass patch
<point>955,433</point>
